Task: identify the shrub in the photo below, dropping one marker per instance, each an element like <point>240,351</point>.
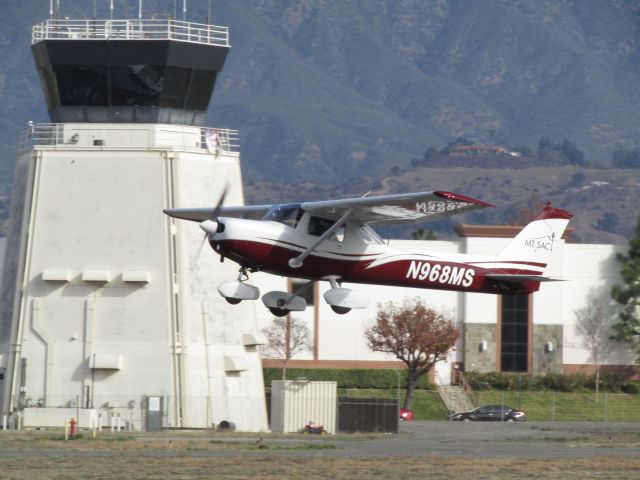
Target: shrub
<point>347,378</point>
<point>632,388</point>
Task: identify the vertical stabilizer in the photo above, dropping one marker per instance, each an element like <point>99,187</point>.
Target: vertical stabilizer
<point>529,252</point>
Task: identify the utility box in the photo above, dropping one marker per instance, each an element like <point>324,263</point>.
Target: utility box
<point>294,403</point>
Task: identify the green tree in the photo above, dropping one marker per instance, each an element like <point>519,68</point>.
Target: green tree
<point>626,158</point>
<point>627,329</point>
<point>414,333</point>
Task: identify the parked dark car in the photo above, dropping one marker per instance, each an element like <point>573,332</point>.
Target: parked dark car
<point>490,413</point>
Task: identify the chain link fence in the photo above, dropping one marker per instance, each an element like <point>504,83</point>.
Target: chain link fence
<point>570,406</point>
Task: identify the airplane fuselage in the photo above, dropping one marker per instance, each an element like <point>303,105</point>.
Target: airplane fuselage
<point>358,255</point>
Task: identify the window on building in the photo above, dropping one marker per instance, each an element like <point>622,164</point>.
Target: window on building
<point>136,85</point>
<point>307,293</point>
<point>515,333</point>
<point>82,85</point>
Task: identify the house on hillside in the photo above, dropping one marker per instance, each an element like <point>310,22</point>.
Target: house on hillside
<point>483,150</point>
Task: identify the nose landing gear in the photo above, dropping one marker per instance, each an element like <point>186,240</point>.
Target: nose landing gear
<point>235,292</point>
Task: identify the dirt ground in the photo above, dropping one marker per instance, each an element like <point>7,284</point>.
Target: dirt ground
<point>421,450</point>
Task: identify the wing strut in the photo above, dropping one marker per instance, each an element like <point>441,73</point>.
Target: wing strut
<point>297,261</point>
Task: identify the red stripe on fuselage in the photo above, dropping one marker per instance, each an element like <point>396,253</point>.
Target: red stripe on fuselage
<point>430,274</point>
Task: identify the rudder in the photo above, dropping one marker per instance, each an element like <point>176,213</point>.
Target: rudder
<point>530,251</point>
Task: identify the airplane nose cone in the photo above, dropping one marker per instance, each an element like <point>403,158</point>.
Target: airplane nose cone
<point>210,227</point>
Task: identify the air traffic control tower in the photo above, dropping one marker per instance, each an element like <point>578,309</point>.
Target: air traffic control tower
<point>108,309</point>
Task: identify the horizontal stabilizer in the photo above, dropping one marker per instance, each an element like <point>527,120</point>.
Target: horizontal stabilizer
<point>522,278</point>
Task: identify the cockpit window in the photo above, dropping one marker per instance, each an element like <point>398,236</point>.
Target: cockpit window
<point>317,226</point>
<point>287,214</point>
<point>366,233</point>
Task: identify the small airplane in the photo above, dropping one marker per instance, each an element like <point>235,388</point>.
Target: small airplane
<point>333,241</point>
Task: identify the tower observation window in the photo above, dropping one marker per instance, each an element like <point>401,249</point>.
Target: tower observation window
<point>136,85</point>
<point>200,89</point>
<point>82,85</point>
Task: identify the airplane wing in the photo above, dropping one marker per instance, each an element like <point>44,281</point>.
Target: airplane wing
<point>202,214</point>
<point>387,209</point>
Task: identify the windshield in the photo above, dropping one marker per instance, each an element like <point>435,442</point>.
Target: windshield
<point>369,236</point>
<point>288,214</point>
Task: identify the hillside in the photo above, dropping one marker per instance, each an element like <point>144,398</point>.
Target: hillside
<point>605,201</point>
<point>335,90</point>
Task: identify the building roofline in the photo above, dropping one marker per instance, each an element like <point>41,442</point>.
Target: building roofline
<point>465,230</point>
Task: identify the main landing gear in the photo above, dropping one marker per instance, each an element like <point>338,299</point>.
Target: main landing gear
<point>341,300</point>
<point>281,303</point>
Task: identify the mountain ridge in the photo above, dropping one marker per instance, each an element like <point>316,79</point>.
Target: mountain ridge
<point>348,90</point>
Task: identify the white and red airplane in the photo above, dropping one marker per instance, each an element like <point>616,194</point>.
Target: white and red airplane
<point>332,240</point>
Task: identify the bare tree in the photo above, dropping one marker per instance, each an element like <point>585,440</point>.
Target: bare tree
<point>593,322</point>
<point>286,337</point>
<point>414,333</point>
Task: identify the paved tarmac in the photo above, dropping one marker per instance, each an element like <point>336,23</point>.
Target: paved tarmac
<point>532,440</point>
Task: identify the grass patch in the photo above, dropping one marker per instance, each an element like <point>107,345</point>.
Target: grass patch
<point>539,406</point>
<point>306,447</point>
<point>426,403</point>
<point>262,445</point>
<point>120,438</point>
<point>570,406</point>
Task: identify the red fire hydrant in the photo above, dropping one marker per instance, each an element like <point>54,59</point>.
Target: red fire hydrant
<point>72,428</point>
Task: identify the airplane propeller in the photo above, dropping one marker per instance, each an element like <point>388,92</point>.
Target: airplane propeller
<point>210,226</point>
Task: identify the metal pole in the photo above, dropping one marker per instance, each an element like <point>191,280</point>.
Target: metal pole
<point>140,9</point>
<point>209,14</point>
<point>184,10</point>
<point>50,9</point>
<point>111,10</point>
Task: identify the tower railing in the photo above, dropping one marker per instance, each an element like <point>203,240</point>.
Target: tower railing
<point>160,29</point>
<point>57,135</point>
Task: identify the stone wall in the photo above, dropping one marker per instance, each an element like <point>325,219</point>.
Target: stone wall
<point>474,358</point>
<point>545,361</point>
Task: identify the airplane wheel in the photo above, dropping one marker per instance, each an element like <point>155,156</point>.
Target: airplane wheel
<point>340,310</point>
<point>279,312</point>
<point>233,301</point>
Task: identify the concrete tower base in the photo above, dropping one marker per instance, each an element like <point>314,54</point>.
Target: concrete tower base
<point>107,304</point>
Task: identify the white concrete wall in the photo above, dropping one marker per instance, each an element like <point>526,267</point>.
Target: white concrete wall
<point>100,209</point>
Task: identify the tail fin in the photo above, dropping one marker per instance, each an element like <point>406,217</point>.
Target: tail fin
<point>529,252</point>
